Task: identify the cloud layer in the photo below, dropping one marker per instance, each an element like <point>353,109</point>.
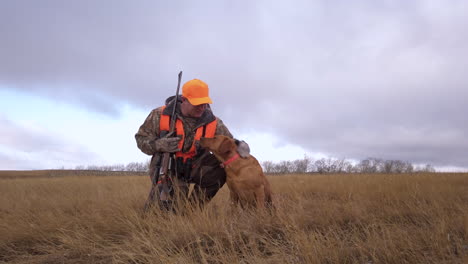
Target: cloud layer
<point>351,80</point>
<point>32,148</point>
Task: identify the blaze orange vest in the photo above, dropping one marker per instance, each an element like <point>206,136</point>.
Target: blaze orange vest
<point>207,130</point>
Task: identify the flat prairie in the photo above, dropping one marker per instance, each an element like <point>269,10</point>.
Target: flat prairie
<point>96,217</point>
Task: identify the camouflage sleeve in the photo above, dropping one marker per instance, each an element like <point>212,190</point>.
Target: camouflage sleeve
<point>221,129</point>
<point>149,132</point>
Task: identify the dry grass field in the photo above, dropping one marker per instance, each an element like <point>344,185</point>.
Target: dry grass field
<point>414,218</point>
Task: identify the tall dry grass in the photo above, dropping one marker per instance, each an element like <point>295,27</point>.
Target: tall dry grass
<point>419,218</point>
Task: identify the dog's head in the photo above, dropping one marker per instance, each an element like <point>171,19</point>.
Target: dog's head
<point>219,145</point>
<point>222,146</point>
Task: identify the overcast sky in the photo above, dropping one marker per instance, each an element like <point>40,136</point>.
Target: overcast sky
<point>344,79</point>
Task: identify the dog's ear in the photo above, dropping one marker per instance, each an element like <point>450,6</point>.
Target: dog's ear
<point>226,146</point>
<point>243,148</point>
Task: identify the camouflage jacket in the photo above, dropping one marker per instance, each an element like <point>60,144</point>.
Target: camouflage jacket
<point>148,132</point>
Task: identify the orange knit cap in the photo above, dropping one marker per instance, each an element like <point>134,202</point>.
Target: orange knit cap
<point>196,91</point>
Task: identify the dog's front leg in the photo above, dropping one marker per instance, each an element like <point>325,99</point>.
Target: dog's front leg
<point>234,198</point>
<point>260,197</point>
<point>233,202</point>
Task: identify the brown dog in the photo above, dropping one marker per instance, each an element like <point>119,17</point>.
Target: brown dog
<point>244,175</point>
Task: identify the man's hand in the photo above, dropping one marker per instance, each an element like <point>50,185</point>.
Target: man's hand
<point>167,144</point>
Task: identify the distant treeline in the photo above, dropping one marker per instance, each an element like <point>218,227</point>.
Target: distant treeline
<point>305,165</point>
<point>131,167</point>
<point>332,165</point>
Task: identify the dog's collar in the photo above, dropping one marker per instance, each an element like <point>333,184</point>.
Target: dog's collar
<point>229,161</point>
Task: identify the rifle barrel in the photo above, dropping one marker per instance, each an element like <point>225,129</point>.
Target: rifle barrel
<point>164,195</point>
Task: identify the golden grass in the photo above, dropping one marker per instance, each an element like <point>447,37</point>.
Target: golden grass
<point>418,218</point>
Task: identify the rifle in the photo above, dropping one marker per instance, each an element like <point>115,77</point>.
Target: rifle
<point>162,172</point>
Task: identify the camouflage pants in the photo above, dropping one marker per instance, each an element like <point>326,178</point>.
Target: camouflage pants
<point>207,176</point>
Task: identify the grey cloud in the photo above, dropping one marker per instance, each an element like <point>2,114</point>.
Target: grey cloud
<point>18,137</point>
<point>29,148</point>
<point>366,78</point>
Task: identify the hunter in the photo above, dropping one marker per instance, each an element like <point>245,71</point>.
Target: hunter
<point>194,120</point>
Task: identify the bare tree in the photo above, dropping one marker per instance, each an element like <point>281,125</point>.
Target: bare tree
<point>427,168</point>
<point>350,168</point>
<point>340,165</point>
<point>370,165</point>
<point>320,165</point>
<point>284,166</point>
<point>301,165</point>
<point>388,166</point>
<point>268,166</point>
